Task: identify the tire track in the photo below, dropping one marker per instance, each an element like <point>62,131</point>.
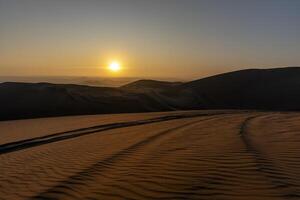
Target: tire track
<point>37,141</point>
<point>89,174</point>
<point>226,157</point>
<point>278,178</point>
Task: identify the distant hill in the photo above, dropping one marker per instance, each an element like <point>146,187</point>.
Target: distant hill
<point>260,89</point>
<point>142,85</point>
<point>77,80</point>
<point>29,100</point>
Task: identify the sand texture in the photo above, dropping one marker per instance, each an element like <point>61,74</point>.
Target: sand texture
<point>175,155</point>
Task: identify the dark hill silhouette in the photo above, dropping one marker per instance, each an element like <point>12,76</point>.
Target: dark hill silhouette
<point>265,89</point>
<point>153,85</point>
<point>269,89</point>
<point>29,100</point>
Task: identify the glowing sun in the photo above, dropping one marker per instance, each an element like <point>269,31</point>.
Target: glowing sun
<point>114,66</point>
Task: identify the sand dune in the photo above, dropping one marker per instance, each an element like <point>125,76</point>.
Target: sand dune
<point>197,155</point>
<point>264,89</point>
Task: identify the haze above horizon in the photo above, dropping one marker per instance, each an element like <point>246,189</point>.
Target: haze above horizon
<point>186,39</point>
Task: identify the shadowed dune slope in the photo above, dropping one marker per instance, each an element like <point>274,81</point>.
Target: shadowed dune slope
<point>217,155</point>
<point>273,89</point>
<point>265,89</point>
<point>261,89</point>
<point>28,100</point>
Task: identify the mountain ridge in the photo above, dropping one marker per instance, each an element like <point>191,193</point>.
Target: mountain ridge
<point>259,89</point>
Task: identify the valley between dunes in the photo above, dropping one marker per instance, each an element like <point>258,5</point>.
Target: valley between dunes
<point>219,154</point>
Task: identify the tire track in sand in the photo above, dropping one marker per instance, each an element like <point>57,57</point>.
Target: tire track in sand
<point>278,178</point>
<point>56,137</point>
<point>72,183</point>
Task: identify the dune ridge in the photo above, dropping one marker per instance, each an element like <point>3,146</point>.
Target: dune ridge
<point>256,89</point>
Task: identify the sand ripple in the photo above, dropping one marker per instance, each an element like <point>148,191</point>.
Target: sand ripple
<point>243,155</point>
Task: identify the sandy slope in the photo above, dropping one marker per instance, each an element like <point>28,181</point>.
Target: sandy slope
<point>222,155</point>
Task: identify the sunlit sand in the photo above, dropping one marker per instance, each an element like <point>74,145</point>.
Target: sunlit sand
<point>182,155</point>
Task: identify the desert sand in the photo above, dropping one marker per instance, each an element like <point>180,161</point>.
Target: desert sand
<point>167,155</point>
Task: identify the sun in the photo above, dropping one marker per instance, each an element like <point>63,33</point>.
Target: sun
<point>114,66</point>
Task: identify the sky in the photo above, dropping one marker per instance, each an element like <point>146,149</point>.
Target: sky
<point>150,38</point>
